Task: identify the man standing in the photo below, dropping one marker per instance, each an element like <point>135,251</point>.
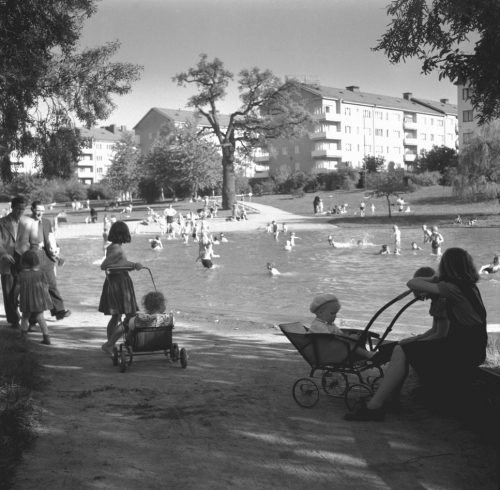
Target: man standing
<point>170,212</point>
<point>48,259</point>
<point>18,233</point>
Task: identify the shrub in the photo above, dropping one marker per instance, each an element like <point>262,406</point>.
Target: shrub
<point>149,190</point>
<point>298,193</point>
<point>100,191</point>
<point>265,186</point>
<point>425,179</point>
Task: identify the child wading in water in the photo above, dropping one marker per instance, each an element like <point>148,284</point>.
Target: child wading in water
<point>397,239</point>
<point>118,295</point>
<point>206,255</point>
<point>32,288</point>
<point>272,269</point>
<point>154,304</point>
<point>436,239</point>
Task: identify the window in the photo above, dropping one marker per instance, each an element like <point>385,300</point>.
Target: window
<point>367,114</point>
<point>368,131</point>
<point>379,149</point>
<point>440,138</point>
<point>423,136</point>
<point>347,111</point>
<point>327,109</point>
<point>348,147</point>
<point>396,134</point>
<point>386,116</point>
<point>424,120</point>
<point>387,149</point>
<point>99,170</point>
<point>440,122</point>
<point>297,166</point>
<point>432,121</point>
<point>357,130</point>
<point>379,115</point>
<point>468,116</point>
<point>284,150</point>
<point>109,147</point>
<point>387,133</point>
<point>467,138</point>
<point>98,146</point>
<point>368,148</point>
<point>379,132</point>
<point>359,149</point>
<point>465,93</point>
<point>297,149</point>
<point>348,129</point>
<point>98,158</point>
<point>397,117</point>
<point>432,137</point>
<point>396,150</point>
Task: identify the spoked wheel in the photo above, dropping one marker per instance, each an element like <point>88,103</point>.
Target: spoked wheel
<point>334,383</point>
<point>130,354</point>
<point>184,358</point>
<point>374,382</point>
<point>174,352</point>
<point>122,361</point>
<point>356,395</point>
<point>115,356</point>
<point>305,393</point>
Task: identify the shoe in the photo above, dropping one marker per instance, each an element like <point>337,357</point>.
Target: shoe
<point>364,414</point>
<point>63,314</point>
<point>46,340</point>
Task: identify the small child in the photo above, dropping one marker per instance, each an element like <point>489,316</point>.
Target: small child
<point>397,239</point>
<point>373,209</point>
<point>330,241</point>
<point>272,269</point>
<point>326,307</point>
<point>293,237</point>
<point>385,250</point>
<point>206,256</point>
<point>223,238</point>
<point>32,289</point>
<point>156,243</point>
<point>288,246</point>
<point>284,228</point>
<point>269,228</point>
<point>436,239</point>
<point>427,233</point>
<point>414,246</point>
<point>275,229</point>
<point>154,304</point>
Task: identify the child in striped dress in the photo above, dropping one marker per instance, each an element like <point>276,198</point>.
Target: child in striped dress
<point>32,288</point>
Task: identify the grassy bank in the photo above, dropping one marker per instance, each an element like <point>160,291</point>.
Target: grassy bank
<point>19,375</point>
<point>430,205</point>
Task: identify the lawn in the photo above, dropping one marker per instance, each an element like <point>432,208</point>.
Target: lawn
<point>428,204</point>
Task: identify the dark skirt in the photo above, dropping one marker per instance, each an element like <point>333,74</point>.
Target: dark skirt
<point>118,296</point>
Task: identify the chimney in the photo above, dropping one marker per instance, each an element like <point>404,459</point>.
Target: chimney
<point>353,88</point>
<point>444,101</point>
<point>407,95</point>
<point>123,129</point>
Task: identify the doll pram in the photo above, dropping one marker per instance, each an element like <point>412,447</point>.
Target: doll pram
<point>143,341</point>
<point>343,373</point>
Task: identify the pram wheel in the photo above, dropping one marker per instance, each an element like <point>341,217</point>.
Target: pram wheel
<point>184,358</point>
<point>305,393</point>
<point>122,361</point>
<point>130,354</point>
<point>356,395</point>
<point>374,382</point>
<point>115,356</point>
<point>334,383</point>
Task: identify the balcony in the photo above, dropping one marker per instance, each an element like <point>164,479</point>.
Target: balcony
<point>262,158</point>
<point>326,153</point>
<point>326,135</point>
<point>410,157</point>
<point>410,125</point>
<point>328,116</point>
<point>410,142</point>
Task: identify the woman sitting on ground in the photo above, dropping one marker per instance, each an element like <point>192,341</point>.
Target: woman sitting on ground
<point>439,361</point>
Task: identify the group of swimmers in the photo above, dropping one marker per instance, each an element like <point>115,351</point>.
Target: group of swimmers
<point>431,236</point>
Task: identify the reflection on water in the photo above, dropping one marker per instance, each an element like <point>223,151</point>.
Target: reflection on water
<point>240,286</point>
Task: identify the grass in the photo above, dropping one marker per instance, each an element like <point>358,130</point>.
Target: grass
<point>20,375</point>
<point>430,205</point>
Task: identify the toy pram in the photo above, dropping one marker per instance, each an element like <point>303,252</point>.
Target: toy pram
<point>143,341</point>
<point>342,370</point>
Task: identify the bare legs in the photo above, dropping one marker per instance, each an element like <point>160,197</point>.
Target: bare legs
<point>40,320</point>
<point>393,380</point>
<point>112,324</point>
<point>116,334</point>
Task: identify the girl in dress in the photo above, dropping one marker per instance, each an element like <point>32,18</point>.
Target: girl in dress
<point>32,288</point>
<point>118,296</point>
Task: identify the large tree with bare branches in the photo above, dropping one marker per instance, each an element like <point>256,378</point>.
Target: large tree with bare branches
<point>270,109</point>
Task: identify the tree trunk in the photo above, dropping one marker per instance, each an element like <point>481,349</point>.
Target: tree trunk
<point>389,205</point>
<point>228,178</point>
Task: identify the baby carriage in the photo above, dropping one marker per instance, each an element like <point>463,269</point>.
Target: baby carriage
<point>342,373</point>
<point>143,341</point>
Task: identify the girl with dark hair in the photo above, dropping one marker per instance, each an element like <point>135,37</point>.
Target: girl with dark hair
<point>32,288</point>
<point>445,357</point>
<point>118,296</point>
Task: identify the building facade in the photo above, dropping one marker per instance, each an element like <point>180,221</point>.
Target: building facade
<point>349,125</point>
<point>467,124</point>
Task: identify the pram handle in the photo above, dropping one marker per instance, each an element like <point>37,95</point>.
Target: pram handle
<point>128,268</point>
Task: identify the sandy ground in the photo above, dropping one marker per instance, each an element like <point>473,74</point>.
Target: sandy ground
<point>227,421</point>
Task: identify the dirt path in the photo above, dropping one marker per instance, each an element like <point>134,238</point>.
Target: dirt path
<point>228,421</point>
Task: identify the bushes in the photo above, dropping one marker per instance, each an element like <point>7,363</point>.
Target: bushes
<point>343,178</point>
<point>426,179</point>
<point>263,186</point>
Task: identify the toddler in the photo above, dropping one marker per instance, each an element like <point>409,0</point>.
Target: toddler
<point>32,288</point>
<point>326,307</point>
<point>156,243</point>
<point>293,237</point>
<point>436,239</point>
<point>385,250</point>
<point>272,269</point>
<point>397,238</point>
<point>154,304</point>
<point>414,246</point>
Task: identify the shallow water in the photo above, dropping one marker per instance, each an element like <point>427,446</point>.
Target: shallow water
<point>240,286</point>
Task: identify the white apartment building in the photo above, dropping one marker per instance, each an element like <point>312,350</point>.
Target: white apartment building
<point>467,124</point>
<point>349,125</point>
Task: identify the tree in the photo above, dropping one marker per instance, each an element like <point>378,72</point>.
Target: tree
<point>373,164</point>
<point>125,172</point>
<point>438,159</point>
<point>45,84</point>
<point>478,171</point>
<point>270,109</point>
<point>385,185</point>
<point>182,158</point>
<point>436,32</point>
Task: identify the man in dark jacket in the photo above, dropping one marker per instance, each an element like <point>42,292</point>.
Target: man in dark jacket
<point>48,259</point>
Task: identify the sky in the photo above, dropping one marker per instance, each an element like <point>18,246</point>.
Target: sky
<point>329,40</point>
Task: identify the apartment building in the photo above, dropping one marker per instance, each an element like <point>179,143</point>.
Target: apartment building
<point>467,124</point>
<point>350,124</point>
<point>97,152</point>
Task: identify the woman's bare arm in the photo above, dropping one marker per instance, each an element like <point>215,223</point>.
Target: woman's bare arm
<point>423,285</point>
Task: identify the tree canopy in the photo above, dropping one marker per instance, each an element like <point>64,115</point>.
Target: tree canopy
<point>373,164</point>
<point>386,184</point>
<point>182,160</point>
<point>46,83</point>
<point>437,33</point>
<point>269,109</point>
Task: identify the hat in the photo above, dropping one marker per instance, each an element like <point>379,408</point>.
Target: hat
<point>321,300</point>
